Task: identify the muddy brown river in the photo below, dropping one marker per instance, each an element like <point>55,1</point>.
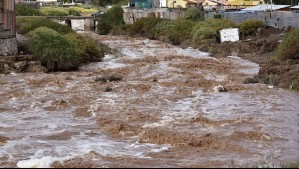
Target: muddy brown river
<point>163,109</point>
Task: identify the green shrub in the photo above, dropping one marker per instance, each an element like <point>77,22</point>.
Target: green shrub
<point>295,86</point>
<point>271,79</point>
<point>53,50</point>
<point>210,29</point>
<point>144,26</point>
<point>174,32</point>
<point>104,26</point>
<point>74,11</point>
<point>249,26</point>
<point>112,18</point>
<point>136,27</point>
<point>162,28</point>
<point>86,47</point>
<point>50,11</point>
<point>217,16</point>
<point>25,10</point>
<point>194,14</point>
<point>289,48</point>
<point>27,24</point>
<point>205,33</point>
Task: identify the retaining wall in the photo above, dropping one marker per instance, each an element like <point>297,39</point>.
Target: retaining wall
<point>8,47</point>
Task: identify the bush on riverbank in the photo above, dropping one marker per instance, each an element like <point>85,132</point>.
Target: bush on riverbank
<point>295,86</point>
<point>27,24</point>
<point>210,29</point>
<point>248,27</point>
<point>113,18</point>
<point>26,10</point>
<point>144,27</point>
<point>289,48</point>
<point>58,46</point>
<point>51,11</point>
<point>53,50</point>
<point>86,48</point>
<point>194,14</point>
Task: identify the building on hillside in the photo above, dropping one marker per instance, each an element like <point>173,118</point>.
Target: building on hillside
<point>182,3</point>
<point>245,2</point>
<point>8,44</point>
<point>214,2</point>
<point>144,3</point>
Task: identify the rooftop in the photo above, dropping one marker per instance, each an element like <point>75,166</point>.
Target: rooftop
<point>295,7</point>
<point>266,7</point>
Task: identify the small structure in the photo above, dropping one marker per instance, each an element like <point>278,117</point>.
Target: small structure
<point>229,35</point>
<point>8,42</point>
<point>295,9</point>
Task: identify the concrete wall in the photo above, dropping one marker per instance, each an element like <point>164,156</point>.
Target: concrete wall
<point>89,25</point>
<point>276,19</point>
<point>131,15</point>
<point>8,47</point>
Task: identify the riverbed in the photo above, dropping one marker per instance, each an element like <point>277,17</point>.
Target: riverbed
<point>164,109</point>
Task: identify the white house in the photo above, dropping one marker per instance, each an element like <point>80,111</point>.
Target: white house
<point>163,3</point>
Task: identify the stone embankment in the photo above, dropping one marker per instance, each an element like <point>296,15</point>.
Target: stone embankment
<point>8,47</point>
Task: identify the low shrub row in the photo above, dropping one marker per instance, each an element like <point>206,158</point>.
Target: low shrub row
<point>26,10</point>
<point>57,46</point>
<point>191,27</point>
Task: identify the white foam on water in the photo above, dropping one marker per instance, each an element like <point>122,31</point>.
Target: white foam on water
<point>44,162</point>
<point>159,150</point>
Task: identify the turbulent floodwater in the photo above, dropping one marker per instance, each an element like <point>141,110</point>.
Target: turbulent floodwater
<point>165,112</point>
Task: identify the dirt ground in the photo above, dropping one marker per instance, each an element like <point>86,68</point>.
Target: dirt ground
<point>259,48</point>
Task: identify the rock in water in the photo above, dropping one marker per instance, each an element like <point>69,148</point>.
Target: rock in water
<point>220,88</point>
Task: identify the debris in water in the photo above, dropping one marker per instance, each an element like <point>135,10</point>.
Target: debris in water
<point>220,88</point>
<point>108,89</point>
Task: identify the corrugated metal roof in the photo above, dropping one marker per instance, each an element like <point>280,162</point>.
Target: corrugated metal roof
<point>295,7</point>
<point>265,7</point>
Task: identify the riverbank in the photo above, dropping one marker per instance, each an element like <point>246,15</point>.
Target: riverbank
<point>260,48</point>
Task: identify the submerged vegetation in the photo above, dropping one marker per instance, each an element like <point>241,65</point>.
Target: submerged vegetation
<point>289,48</point>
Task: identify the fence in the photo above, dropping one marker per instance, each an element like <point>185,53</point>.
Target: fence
<point>276,19</point>
<point>131,15</point>
<point>7,24</point>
